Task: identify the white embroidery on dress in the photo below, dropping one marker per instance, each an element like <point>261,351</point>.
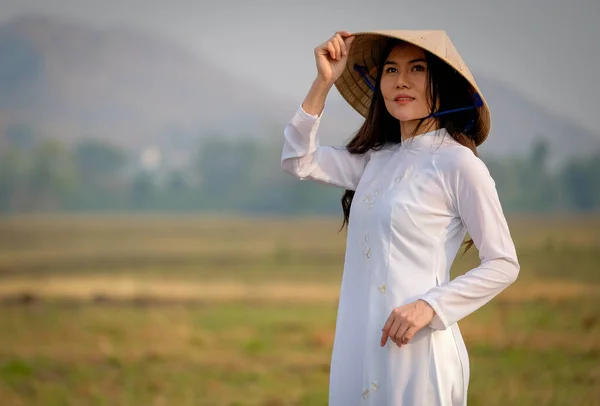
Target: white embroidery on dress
<point>365,248</point>
<point>407,173</point>
<point>371,198</point>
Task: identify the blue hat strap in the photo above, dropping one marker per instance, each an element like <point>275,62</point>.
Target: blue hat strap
<point>477,102</point>
<point>364,74</point>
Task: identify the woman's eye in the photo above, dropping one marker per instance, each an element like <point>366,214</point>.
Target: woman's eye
<point>390,70</point>
<point>418,68</point>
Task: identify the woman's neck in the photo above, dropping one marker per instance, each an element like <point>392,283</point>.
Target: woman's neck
<point>407,128</point>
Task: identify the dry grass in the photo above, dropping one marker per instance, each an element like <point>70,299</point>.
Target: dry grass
<point>105,288</point>
<point>101,287</point>
<point>178,310</point>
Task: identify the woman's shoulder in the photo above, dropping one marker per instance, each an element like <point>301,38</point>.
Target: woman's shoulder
<point>455,159</point>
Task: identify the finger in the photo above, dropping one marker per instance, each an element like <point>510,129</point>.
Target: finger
<point>338,48</point>
<point>401,333</point>
<point>348,42</point>
<point>342,44</point>
<point>331,49</point>
<point>344,33</point>
<point>398,325</point>
<point>409,335</point>
<point>385,331</point>
<point>393,329</point>
<point>384,337</point>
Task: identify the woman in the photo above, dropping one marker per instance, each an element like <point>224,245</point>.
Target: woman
<point>415,187</point>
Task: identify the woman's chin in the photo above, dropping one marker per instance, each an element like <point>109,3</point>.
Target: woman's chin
<point>404,116</point>
<point>405,113</point>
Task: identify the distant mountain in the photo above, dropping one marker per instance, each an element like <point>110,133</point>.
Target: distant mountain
<point>69,81</point>
<point>517,122</point>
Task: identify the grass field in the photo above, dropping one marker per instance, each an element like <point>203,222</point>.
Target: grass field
<point>157,310</point>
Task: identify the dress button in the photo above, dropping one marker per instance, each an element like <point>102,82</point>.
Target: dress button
<point>367,252</point>
<point>398,179</point>
<point>374,385</point>
<point>382,288</point>
<point>365,394</point>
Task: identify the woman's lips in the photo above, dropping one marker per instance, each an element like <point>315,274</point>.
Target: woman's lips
<point>403,100</point>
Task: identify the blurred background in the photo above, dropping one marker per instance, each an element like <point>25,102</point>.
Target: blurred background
<point>152,252</point>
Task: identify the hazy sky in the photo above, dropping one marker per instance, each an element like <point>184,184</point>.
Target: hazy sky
<point>549,49</point>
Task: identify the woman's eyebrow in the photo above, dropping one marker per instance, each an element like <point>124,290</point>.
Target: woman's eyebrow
<point>411,61</point>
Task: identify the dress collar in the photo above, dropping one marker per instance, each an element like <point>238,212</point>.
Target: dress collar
<point>426,140</point>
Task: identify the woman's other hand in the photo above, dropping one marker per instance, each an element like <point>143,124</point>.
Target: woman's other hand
<point>405,321</point>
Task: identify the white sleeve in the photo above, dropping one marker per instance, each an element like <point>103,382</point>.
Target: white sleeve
<point>303,157</point>
<point>476,201</point>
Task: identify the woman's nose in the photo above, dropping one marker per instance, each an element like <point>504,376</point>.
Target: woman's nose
<point>401,82</point>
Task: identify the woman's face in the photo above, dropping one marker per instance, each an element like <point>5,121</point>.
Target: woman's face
<point>404,83</point>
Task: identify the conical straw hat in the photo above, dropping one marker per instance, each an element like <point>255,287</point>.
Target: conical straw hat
<point>365,51</point>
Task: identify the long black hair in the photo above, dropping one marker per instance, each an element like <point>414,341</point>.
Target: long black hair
<point>447,90</point>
